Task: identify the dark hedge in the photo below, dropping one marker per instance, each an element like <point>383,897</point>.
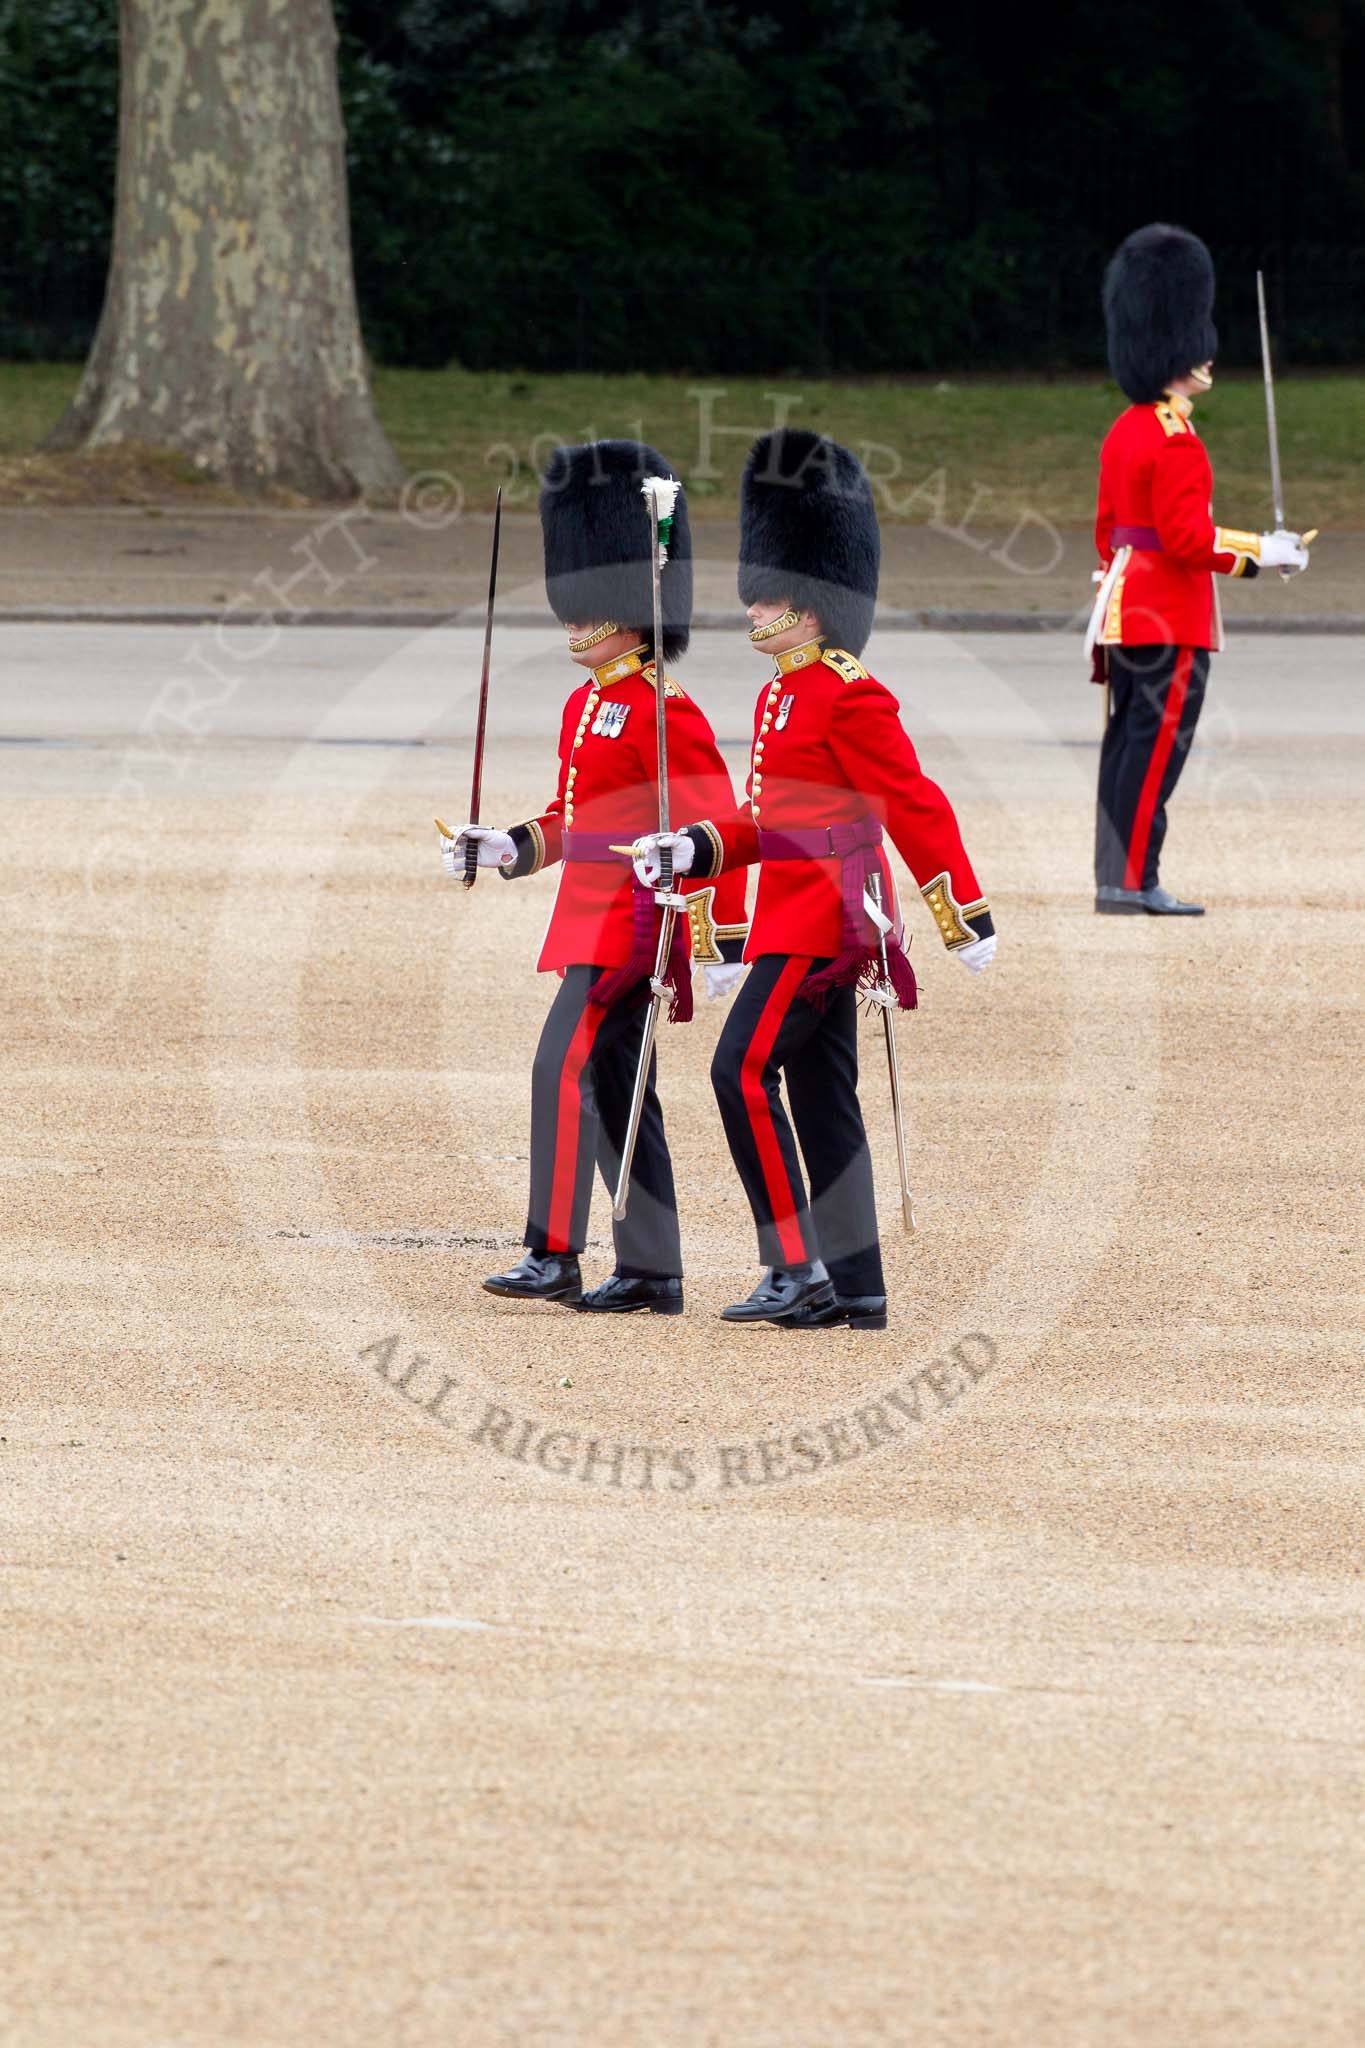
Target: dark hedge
<point>846,186</point>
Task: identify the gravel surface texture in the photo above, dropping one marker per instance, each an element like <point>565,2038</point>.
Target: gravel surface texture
<point>385,1663</point>
<point>433,558</point>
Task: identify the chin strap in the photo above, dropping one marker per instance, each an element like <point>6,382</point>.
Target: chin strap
<point>604,632</point>
<point>784,624</point>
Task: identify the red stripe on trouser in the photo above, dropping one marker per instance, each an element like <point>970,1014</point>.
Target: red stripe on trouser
<point>1156,769</point>
<point>566,1128</point>
<point>781,1200</point>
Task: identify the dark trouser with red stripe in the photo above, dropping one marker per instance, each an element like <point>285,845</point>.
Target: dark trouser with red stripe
<point>1155,696</point>
<point>580,1104</point>
<point>771,1032</point>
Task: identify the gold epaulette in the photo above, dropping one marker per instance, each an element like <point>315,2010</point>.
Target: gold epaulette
<point>846,665</point>
<point>671,689</point>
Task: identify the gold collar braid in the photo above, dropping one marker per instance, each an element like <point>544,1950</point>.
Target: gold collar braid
<point>804,656</point>
<point>619,667</point>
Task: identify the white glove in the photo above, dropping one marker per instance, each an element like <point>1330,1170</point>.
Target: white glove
<point>496,849</point>
<point>720,979</point>
<point>979,954</point>
<point>1283,551</point>
<point>647,865</point>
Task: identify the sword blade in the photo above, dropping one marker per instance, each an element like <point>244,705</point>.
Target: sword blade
<point>481,722</point>
<point>660,702</point>
<point>621,1194</point>
<point>1272,427</point>
<point>874,883</point>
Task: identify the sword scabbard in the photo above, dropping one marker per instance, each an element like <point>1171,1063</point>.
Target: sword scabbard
<point>888,1005</point>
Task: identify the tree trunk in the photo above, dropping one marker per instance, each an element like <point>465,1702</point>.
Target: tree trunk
<point>229,330</point>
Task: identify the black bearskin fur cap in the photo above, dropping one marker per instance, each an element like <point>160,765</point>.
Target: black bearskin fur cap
<point>596,525</point>
<point>1158,309</point>
<point>808,533</point>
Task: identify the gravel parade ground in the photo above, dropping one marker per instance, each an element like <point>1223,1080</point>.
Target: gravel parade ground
<point>390,1664</point>
<point>432,560</point>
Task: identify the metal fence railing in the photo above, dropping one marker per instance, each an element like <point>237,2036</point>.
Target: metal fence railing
<point>1006,313</point>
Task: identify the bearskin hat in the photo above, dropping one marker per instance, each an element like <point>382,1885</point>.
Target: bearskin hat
<point>1158,310</point>
<point>808,533</point>
<point>596,525</point>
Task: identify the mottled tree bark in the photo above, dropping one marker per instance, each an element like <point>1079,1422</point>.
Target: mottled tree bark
<point>229,330</point>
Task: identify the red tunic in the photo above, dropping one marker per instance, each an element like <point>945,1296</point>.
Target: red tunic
<point>829,748</point>
<point>607,785</point>
<point>1155,477</point>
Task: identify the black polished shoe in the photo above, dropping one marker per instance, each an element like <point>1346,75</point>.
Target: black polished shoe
<point>621,1295</point>
<point>1112,902</point>
<point>541,1276</point>
<point>1159,902</point>
<point>852,1311</point>
<point>781,1292</point>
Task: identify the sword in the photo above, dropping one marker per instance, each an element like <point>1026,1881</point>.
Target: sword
<point>471,846</point>
<point>1272,428</point>
<point>671,904</point>
<point>885,998</point>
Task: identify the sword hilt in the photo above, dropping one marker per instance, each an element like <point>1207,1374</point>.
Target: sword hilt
<point>471,862</point>
<point>666,870</point>
<point>1305,540</point>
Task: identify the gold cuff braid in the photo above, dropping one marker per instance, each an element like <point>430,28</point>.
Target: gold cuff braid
<point>950,916</point>
<point>531,826</point>
<point>716,844</point>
